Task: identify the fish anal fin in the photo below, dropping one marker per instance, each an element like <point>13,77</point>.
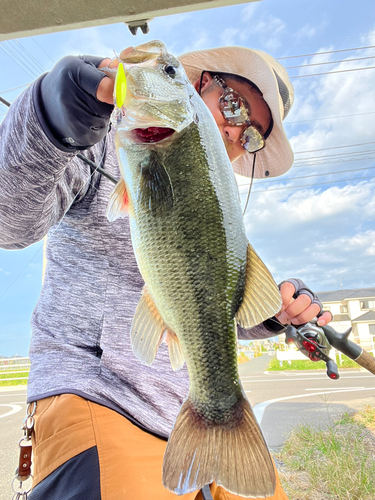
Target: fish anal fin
<point>175,352</point>
<point>147,329</point>
<point>118,205</point>
<point>261,299</point>
<point>235,455</point>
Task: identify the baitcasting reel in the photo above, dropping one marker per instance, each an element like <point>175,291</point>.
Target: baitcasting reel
<point>311,340</point>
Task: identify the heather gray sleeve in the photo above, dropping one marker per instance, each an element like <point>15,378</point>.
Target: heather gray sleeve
<point>269,328</point>
<point>38,182</point>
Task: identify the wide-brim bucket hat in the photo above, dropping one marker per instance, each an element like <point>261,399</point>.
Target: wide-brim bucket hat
<point>273,81</point>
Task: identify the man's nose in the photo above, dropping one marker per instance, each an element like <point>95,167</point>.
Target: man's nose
<point>232,133</point>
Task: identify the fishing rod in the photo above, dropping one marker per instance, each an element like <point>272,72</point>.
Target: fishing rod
<point>315,342</point>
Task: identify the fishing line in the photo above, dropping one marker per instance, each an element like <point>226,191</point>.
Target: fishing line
<point>91,164</point>
<point>251,183</point>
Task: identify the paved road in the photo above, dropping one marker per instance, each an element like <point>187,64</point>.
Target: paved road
<point>281,400</point>
<point>11,400</point>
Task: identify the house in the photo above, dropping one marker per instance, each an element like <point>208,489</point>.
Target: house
<point>353,308</point>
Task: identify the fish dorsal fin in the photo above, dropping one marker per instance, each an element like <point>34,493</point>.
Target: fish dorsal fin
<point>175,352</point>
<point>155,192</point>
<point>147,329</point>
<point>261,299</point>
<point>118,202</point>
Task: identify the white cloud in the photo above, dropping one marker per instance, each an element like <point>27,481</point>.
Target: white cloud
<point>91,41</point>
<point>248,12</point>
<point>269,30</point>
<point>333,95</point>
<point>306,31</point>
<point>320,235</point>
<point>202,40</point>
<point>227,37</point>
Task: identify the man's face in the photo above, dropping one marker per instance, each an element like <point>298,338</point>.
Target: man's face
<point>260,114</point>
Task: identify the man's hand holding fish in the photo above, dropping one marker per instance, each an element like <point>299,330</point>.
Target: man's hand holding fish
<point>148,284</point>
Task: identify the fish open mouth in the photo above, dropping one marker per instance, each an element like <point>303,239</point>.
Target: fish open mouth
<point>151,134</point>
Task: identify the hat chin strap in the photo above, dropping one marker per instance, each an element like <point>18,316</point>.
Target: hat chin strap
<point>251,184</point>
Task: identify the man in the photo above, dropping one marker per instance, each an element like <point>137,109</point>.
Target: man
<point>102,417</point>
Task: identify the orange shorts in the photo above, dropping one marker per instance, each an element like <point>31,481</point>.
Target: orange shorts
<point>130,460</point>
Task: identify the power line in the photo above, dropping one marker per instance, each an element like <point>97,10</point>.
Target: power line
<point>312,185</point>
<point>24,49</point>
<point>19,61</point>
<point>326,52</point>
<point>330,41</point>
<point>335,147</point>
<point>337,160</point>
<point>23,62</point>
<point>331,72</point>
<point>345,155</point>
<point>331,117</point>
<point>14,88</point>
<point>330,62</point>
<point>312,175</point>
<point>33,38</point>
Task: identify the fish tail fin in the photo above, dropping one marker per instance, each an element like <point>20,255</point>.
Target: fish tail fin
<point>235,455</point>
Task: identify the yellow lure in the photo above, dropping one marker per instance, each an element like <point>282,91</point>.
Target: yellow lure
<point>120,86</point>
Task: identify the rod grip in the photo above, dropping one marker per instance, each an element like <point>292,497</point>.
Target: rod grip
<point>366,361</point>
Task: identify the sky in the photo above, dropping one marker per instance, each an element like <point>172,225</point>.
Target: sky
<point>317,221</point>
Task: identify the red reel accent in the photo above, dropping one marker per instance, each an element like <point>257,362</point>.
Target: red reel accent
<point>311,349</point>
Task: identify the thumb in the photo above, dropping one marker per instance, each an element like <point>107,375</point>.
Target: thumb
<point>104,92</point>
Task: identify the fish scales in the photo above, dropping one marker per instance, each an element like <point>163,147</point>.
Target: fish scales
<point>198,283</point>
<point>201,274</point>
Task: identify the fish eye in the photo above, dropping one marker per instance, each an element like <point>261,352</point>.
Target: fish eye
<point>170,70</point>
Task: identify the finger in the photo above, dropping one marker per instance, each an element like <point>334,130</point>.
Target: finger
<point>287,290</point>
<point>306,315</point>
<point>105,63</point>
<point>325,318</point>
<point>104,92</point>
<point>298,306</point>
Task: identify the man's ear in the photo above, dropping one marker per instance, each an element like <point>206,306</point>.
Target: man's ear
<point>206,82</point>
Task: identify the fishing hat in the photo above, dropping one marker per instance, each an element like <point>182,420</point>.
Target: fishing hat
<point>273,81</point>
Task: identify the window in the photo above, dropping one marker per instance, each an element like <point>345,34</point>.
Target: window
<point>372,329</point>
<point>367,304</point>
<point>343,309</point>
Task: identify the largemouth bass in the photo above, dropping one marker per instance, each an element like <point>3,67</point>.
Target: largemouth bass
<point>201,274</point>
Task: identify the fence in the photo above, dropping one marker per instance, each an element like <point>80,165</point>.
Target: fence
<point>12,365</point>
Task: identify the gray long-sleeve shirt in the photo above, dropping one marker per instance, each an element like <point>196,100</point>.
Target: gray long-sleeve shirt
<point>81,325</point>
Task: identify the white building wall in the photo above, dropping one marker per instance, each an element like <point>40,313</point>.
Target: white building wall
<point>364,335</point>
<point>342,326</point>
<point>333,307</point>
<point>354,309</point>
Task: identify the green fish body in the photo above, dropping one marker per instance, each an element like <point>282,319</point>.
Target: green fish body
<point>201,274</point>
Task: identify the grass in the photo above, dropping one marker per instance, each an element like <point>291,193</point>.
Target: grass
<point>336,463</point>
<point>306,364</point>
<point>4,376</point>
<point>242,358</point>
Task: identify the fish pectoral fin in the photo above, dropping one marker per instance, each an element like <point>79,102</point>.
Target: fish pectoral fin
<point>118,202</point>
<point>147,329</point>
<point>155,191</point>
<point>175,352</point>
<point>261,299</point>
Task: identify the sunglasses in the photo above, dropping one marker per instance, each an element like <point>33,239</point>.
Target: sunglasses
<point>236,112</point>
